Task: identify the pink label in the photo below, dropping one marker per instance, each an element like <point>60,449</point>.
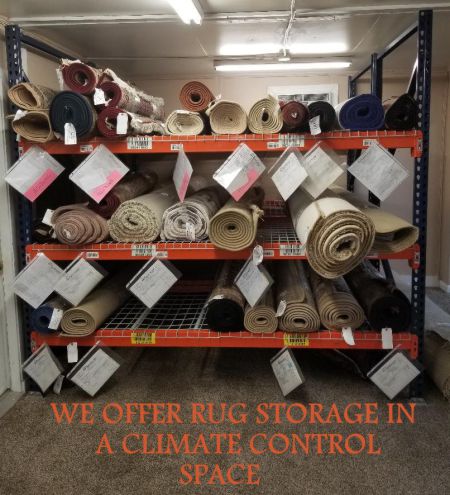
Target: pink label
<point>252,177</point>
<point>41,184</point>
<point>99,192</point>
<point>184,185</point>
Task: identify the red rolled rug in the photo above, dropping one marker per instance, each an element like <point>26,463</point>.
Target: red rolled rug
<point>137,124</point>
<point>81,78</point>
<point>295,115</point>
<point>195,96</point>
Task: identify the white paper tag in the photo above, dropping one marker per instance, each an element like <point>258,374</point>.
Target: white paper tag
<point>386,338</point>
<point>57,386</point>
<point>72,352</point>
<point>347,335</point>
<point>56,318</point>
<point>287,371</point>
<point>60,78</point>
<point>314,125</point>
<point>19,114</point>
<point>43,367</point>
<point>289,175</point>
<point>182,174</point>
<point>70,134</point>
<point>47,219</point>
<point>122,123</point>
<point>253,282</point>
<point>190,231</point>
<point>281,308</point>
<point>258,254</point>
<point>99,97</point>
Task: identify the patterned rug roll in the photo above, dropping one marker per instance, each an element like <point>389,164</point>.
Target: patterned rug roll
<point>225,306</point>
<point>295,115</point>
<point>293,288</point>
<point>184,123</point>
<point>227,117</point>
<point>30,96</point>
<point>34,126</point>
<point>326,112</point>
<point>336,304</point>
<point>235,225</point>
<point>261,318</point>
<point>101,303</point>
<point>336,235</point>
<point>384,305</point>
<point>188,220</point>
<point>73,108</point>
<point>437,361</point>
<point>140,219</point>
<point>195,96</point>
<point>137,124</point>
<point>401,114</point>
<point>77,224</point>
<point>41,316</point>
<point>81,78</point>
<point>265,116</point>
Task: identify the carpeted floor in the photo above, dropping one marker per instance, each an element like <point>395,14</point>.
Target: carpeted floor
<point>38,456</point>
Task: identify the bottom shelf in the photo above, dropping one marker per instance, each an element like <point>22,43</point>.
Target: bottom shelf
<point>178,320</point>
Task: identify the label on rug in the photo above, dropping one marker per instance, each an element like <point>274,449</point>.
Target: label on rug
<point>143,338</point>
<point>296,340</point>
<point>292,249</point>
<point>182,174</point>
<point>56,318</point>
<point>287,371</point>
<point>314,126</point>
<point>122,123</point>
<point>47,218</point>
<point>139,143</point>
<point>289,174</point>
<point>253,281</point>
<point>43,367</point>
<point>347,335</point>
<point>70,134</point>
<point>72,352</point>
<point>99,97</point>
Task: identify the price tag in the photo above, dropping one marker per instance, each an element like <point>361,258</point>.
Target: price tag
<point>43,367</point>
<point>56,318</point>
<point>19,114</point>
<point>253,281</point>
<point>347,335</point>
<point>289,173</point>
<point>387,340</point>
<point>281,308</point>
<point>314,125</point>
<point>287,371</point>
<point>47,219</point>
<point>182,174</point>
<point>99,97</point>
<point>70,134</point>
<point>72,352</point>
<point>122,123</point>
<point>258,254</point>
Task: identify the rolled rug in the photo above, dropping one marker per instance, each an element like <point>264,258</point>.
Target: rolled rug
<point>41,316</point>
<point>188,220</point>
<point>401,114</point>
<point>195,96</point>
<point>261,318</point>
<point>326,112</point>
<point>73,108</point>
<point>295,115</point>
<point>235,225</point>
<point>227,117</point>
<point>184,123</point>
<point>137,124</point>
<point>34,126</point>
<point>361,113</point>
<point>437,361</point>
<point>384,305</point>
<point>293,288</point>
<point>101,303</point>
<point>336,304</point>
<point>81,78</point>
<point>31,96</point>
<point>225,306</point>
<point>337,235</point>
<point>140,219</point>
<point>265,116</point>
<point>77,224</point>
<point>130,187</point>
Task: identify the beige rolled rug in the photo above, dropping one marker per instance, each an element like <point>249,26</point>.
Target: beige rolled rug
<point>101,303</point>
<point>77,224</point>
<point>293,288</point>
<point>34,126</point>
<point>265,116</point>
<point>188,220</point>
<point>140,219</point>
<point>235,225</point>
<point>31,96</point>
<point>337,235</point>
<point>261,318</point>
<point>184,123</point>
<point>336,304</point>
<point>227,117</point>
<point>437,361</point>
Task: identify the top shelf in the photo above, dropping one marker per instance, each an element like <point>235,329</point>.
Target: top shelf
<point>337,140</point>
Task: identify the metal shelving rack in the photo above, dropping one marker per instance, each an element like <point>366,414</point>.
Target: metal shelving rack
<point>178,319</point>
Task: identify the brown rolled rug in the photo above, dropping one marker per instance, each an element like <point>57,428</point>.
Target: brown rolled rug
<point>77,224</point>
<point>34,126</point>
<point>195,96</point>
<point>293,288</point>
<point>235,225</point>
<point>261,318</point>
<point>437,361</point>
<point>337,306</point>
<point>101,303</point>
<point>227,117</point>
<point>295,115</point>
<point>31,96</point>
<point>265,116</point>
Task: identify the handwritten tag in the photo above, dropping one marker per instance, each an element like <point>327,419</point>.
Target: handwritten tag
<point>314,125</point>
<point>258,254</point>
<point>253,281</point>
<point>289,173</point>
<point>70,134</point>
<point>19,114</point>
<point>287,371</point>
<point>47,218</point>
<point>347,335</point>
<point>99,97</point>
<point>122,123</point>
<point>182,174</point>
<point>56,318</point>
<point>387,340</point>
<point>281,308</point>
<point>43,367</point>
<point>72,352</point>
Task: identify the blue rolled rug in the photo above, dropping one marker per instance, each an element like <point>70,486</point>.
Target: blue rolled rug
<point>361,113</point>
<point>41,316</point>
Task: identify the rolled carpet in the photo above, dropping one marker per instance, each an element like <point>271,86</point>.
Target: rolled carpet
<point>261,318</point>
<point>184,123</point>
<point>140,219</point>
<point>85,318</point>
<point>401,114</point>
<point>34,126</point>
<point>265,116</point>
<point>77,224</point>
<point>225,306</point>
<point>195,96</point>
<point>73,108</point>
<point>337,236</point>
<point>437,361</point>
<point>235,225</point>
<point>326,112</point>
<point>31,96</point>
<point>188,220</point>
<point>41,316</point>
<point>293,288</point>
<point>361,113</point>
<point>137,124</point>
<point>227,117</point>
<point>384,305</point>
<point>295,115</point>
<point>336,304</point>
<point>81,78</point>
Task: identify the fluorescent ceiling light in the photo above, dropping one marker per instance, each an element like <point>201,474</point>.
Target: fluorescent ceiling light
<point>310,48</point>
<point>236,49</point>
<point>280,67</point>
<point>188,10</point>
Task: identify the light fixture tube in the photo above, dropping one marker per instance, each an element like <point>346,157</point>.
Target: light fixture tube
<point>188,10</point>
<point>249,67</point>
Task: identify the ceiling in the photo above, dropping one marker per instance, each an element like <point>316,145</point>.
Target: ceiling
<point>144,38</point>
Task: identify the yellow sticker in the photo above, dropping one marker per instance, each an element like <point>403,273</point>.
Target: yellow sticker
<point>296,340</point>
<point>143,338</point>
